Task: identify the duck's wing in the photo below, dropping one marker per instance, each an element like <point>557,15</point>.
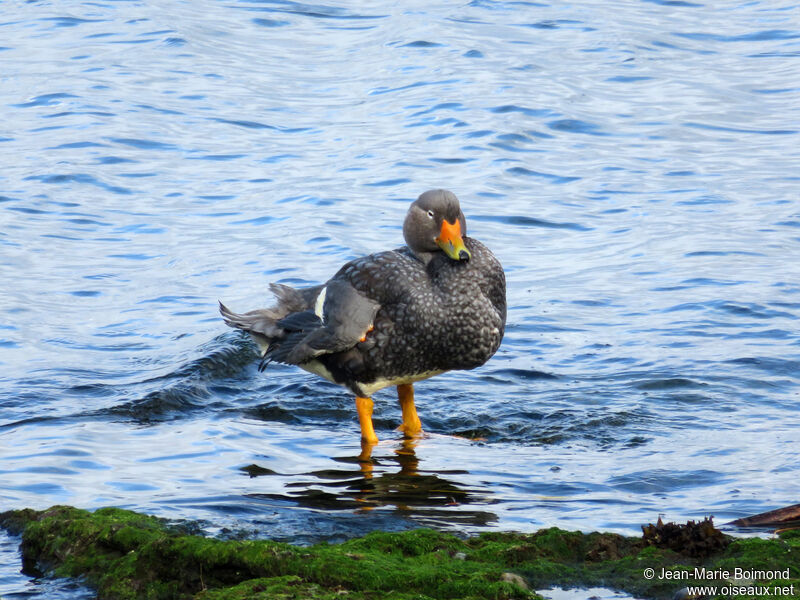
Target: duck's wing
<point>341,317</point>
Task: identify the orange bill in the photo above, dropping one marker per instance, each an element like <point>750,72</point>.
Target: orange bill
<point>451,242</point>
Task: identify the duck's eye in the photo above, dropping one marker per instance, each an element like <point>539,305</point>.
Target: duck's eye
<point>430,214</point>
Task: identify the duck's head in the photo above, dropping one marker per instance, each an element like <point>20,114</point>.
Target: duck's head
<point>435,223</point>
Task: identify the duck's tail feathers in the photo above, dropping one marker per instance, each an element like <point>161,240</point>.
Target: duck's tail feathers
<point>262,324</point>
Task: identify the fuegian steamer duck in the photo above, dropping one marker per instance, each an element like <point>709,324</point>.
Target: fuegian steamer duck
<point>392,318</point>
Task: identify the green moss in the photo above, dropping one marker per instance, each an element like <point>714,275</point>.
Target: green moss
<point>127,555</point>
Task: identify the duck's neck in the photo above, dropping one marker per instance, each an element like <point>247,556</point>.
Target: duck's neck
<point>424,257</point>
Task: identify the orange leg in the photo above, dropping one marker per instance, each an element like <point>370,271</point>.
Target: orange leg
<point>364,408</point>
<point>411,424</point>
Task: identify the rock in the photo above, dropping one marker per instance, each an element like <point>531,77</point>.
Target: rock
<point>515,579</point>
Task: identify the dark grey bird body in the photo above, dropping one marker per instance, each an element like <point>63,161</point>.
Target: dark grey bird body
<point>394,317</point>
<point>440,317</point>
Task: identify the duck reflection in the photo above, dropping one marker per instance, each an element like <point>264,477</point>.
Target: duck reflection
<point>376,482</point>
<point>405,455</point>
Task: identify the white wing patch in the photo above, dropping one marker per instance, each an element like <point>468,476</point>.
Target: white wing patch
<point>320,303</point>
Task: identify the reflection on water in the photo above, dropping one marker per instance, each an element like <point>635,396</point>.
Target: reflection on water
<point>393,482</point>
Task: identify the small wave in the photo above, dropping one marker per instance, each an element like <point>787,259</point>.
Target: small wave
<point>320,11</point>
<point>162,405</point>
<point>756,36</point>
<point>388,182</point>
<point>774,366</point>
<point>525,221</point>
<point>669,384</point>
<point>530,112</point>
<point>712,127</point>
<point>559,179</point>
<point>576,126</point>
<point>270,22</point>
<point>46,100</point>
<point>523,374</point>
<point>421,44</point>
<point>661,480</point>
<point>143,144</point>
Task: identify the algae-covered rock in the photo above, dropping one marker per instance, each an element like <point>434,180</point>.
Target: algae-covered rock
<point>128,555</point>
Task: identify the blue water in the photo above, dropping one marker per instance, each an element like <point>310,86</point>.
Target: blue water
<point>633,164</point>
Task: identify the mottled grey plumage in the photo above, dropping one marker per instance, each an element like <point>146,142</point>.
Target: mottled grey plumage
<point>392,317</point>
